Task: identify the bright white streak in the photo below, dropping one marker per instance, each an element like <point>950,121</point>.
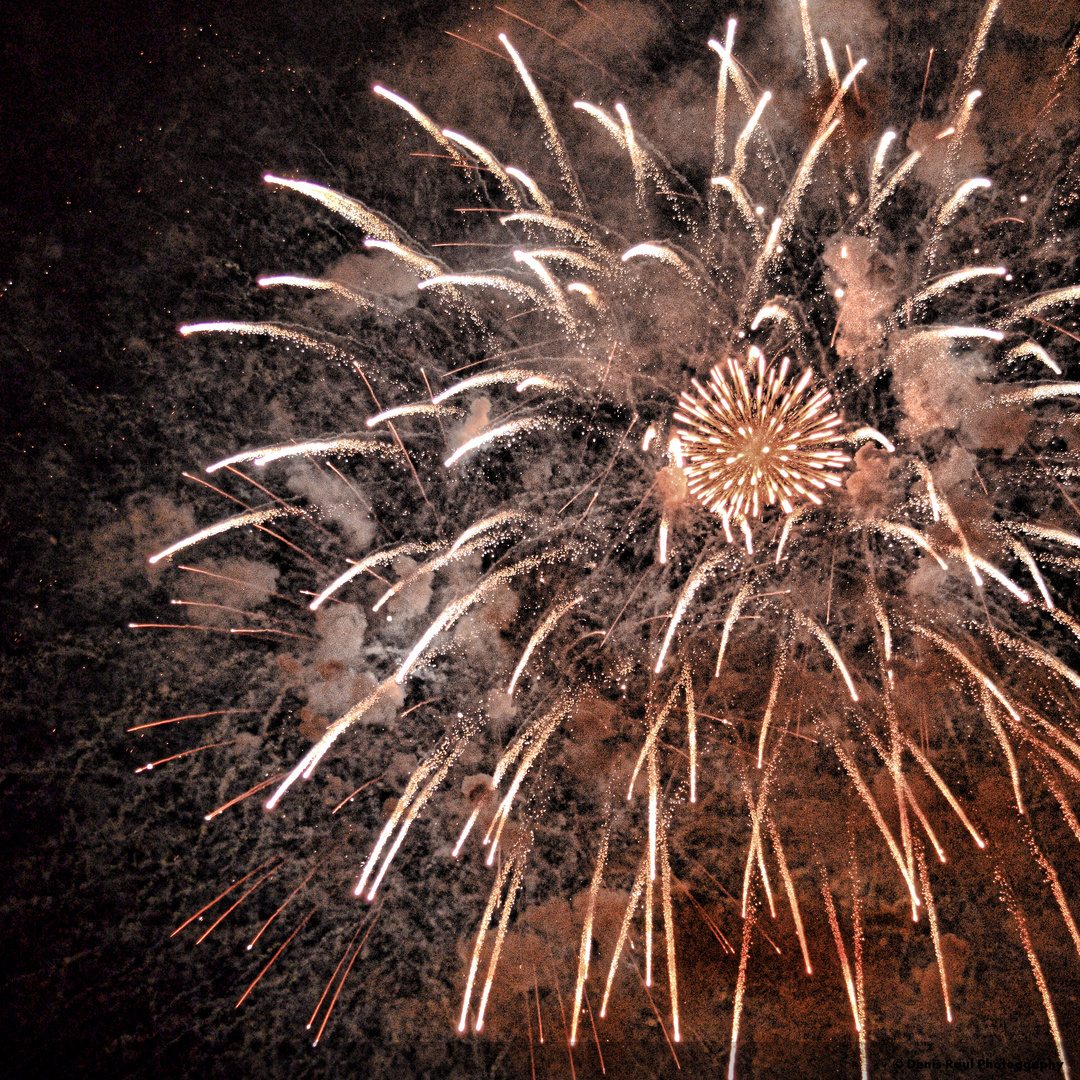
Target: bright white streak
<point>541,632</point>
<point>380,558</point>
<point>586,936</point>
<point>696,580</point>
<point>270,454</point>
<point>256,517</point>
<point>864,433</point>
<point>513,427</point>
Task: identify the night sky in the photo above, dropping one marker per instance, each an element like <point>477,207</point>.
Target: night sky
<point>132,201</point>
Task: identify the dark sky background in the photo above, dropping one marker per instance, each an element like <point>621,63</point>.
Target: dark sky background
<point>130,200</point>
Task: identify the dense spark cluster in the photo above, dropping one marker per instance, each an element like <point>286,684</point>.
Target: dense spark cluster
<point>798,694</point>
<point>752,443</point>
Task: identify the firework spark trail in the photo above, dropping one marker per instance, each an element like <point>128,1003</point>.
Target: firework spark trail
<point>740,983</point>
<point>475,538</point>
<point>539,635</point>
<point>841,950</point>
<point>518,860</point>
<point>586,935</point>
<point>624,929</point>
<point>320,448</point>
<point>369,562</point>
<point>255,517</point>
<point>1008,898</point>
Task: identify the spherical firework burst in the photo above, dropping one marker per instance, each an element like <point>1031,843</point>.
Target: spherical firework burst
<point>750,445</point>
<point>682,747</point>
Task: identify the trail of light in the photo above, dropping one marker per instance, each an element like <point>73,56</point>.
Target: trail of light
<point>833,652</point>
<point>536,194</point>
<point>774,690</point>
<point>508,430</point>
<point>744,137</point>
<point>1031,348</point>
<point>386,690</point>
<point>456,608</point>
<point>721,103</point>
<point>585,950</point>
<point>651,881</point>
<point>489,530</point>
<point>732,618</point>
<point>288,900</point>
<point>944,789</point>
<point>988,568</point>
<point>1054,882</point>
<point>664,528</point>
<point>422,409</point>
<point>380,558</point>
<point>537,738</point>
<point>491,162</point>
<point>1042,532</point>
<point>841,951</point>
<point>240,798</point>
<point>1032,394</point>
<point>271,330</point>
<point>184,753</point>
<point>742,203</point>
<point>1039,304</point>
<point>596,1035</point>
<point>539,635</point>
<point>421,118</point>
<point>757,813</point>
<point>415,808</point>
<point>695,581</point>
<point>421,266</point>
<point>281,949</point>
<point>879,158</point>
<point>559,225</point>
<point>551,286</point>
<point>808,42</point>
<point>189,716</point>
<point>309,449</point>
<point>949,210</point>
<point>971,61</point>
<point>707,920</point>
<point>255,517</point>
<point>522,376</point>
<point>637,158</point>
<point>420,774</point>
<point>354,211</point>
<point>931,911</point>
<point>949,281</point>
<point>221,896</point>
<point>333,1000</point>
<point>860,977</point>
<point>691,728</point>
<point>1025,556</point>
<point>740,986</point>
<point>654,731</point>
<point>1008,898</point>
<point>320,284</point>
<point>789,886</point>
<point>492,281</point>
<point>669,931</point>
<point>553,139</point>
<point>875,811</point>
<point>500,936</point>
<point>905,531</point>
<point>624,930</point>
<point>878,200</point>
<point>340,964</point>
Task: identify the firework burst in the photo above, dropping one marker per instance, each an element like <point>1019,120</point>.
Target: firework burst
<point>768,725</point>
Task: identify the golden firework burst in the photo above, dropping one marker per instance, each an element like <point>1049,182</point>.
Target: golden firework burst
<point>750,439</point>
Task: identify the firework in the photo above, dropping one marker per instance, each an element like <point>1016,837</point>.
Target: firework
<point>866,608</point>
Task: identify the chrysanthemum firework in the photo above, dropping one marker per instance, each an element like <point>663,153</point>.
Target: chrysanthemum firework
<point>702,648</point>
